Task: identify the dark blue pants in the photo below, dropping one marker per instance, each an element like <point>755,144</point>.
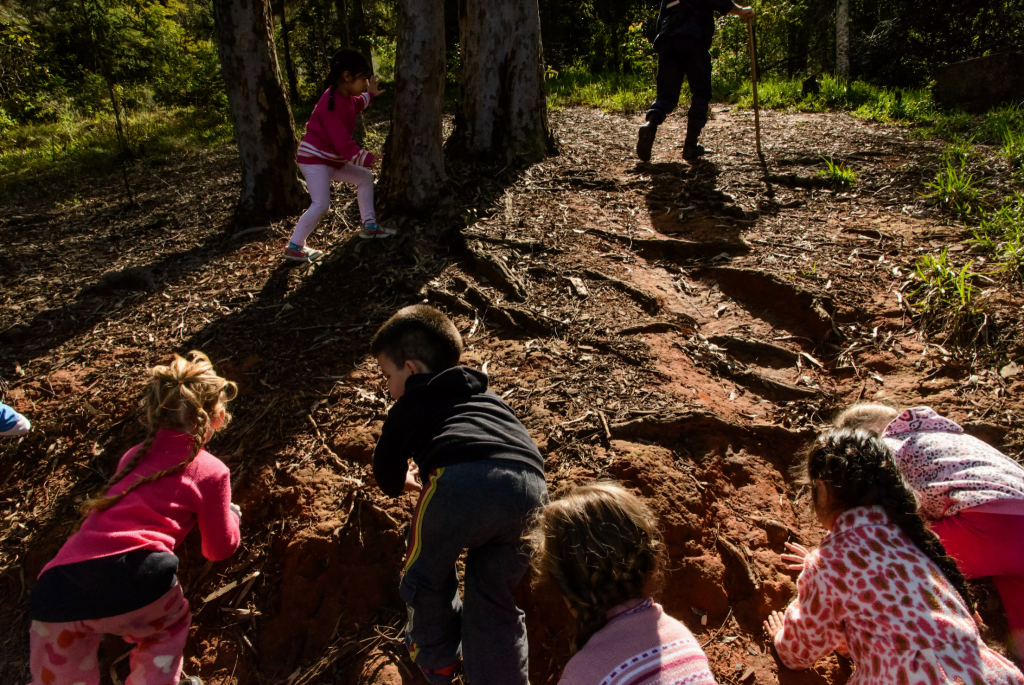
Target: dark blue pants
<point>679,59</point>
<point>483,507</point>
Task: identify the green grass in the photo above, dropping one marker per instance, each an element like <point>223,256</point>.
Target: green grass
<point>76,143</point>
<point>838,174</point>
<point>610,92</point>
<point>1013,148</point>
<point>957,190</point>
<point>947,300</point>
<point>1001,234</point>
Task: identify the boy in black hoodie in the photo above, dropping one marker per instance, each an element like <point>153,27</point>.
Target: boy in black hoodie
<point>482,479</point>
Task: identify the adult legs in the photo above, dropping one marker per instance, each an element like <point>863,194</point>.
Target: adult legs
<point>985,545</point>
<point>362,179</point>
<point>671,71</point>
<point>698,75</point>
<point>318,182</point>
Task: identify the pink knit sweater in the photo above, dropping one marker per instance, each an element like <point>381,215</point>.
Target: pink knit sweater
<point>158,515</point>
<point>639,646</point>
<point>328,138</point>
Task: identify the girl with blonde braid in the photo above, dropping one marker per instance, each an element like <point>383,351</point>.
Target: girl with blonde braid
<point>118,573</point>
<point>601,548</point>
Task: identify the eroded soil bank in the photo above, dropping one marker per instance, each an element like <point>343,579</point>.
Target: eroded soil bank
<point>682,328</point>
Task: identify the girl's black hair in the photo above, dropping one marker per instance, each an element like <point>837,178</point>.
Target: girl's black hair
<point>351,61</point>
<point>862,472</point>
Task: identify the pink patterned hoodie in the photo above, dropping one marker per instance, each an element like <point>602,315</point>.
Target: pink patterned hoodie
<point>951,471</point>
<point>328,138</point>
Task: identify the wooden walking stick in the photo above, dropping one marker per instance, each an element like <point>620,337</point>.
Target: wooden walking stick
<point>753,84</point>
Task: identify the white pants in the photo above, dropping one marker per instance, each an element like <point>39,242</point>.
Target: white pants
<point>318,181</point>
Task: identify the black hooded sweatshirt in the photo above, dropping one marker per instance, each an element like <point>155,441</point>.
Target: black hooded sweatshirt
<point>448,418</point>
<point>690,20</point>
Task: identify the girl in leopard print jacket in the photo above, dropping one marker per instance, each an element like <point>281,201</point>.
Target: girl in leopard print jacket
<point>880,588</point>
<point>971,494</point>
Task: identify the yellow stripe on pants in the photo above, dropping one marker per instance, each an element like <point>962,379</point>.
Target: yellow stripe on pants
<point>416,544</point>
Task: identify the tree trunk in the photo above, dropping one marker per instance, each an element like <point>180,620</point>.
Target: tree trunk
<point>293,82</point>
<point>263,121</point>
<point>341,7</point>
<point>414,164</point>
<point>843,39</point>
<point>503,111</point>
<point>360,31</point>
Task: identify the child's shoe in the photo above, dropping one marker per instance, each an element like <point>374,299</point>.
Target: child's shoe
<point>645,141</point>
<point>440,676</point>
<point>371,229</point>
<point>190,680</point>
<point>301,253</point>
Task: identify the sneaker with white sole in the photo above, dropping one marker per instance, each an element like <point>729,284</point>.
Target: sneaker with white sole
<point>304,254</point>
<point>371,229</point>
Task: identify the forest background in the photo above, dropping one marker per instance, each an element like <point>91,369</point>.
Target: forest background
<point>96,81</point>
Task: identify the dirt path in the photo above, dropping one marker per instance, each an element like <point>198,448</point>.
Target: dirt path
<point>681,328</point>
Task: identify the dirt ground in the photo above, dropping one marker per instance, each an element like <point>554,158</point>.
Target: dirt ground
<point>681,328</point>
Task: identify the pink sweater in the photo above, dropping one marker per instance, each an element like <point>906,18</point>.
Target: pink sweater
<point>328,138</point>
<point>158,515</point>
<point>870,593</point>
<point>951,471</point>
<point>639,646</point>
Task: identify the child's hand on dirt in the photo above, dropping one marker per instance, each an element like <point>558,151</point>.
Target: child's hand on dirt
<point>795,561</point>
<point>773,626</point>
<point>411,482</point>
<point>371,87</point>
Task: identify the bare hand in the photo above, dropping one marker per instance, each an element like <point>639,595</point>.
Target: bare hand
<point>371,87</point>
<point>773,626</point>
<point>795,561</point>
<point>411,482</point>
<point>745,12</point>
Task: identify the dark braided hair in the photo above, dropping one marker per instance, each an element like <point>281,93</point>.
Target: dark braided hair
<point>861,472</point>
<point>351,61</point>
<point>601,547</point>
<point>182,395</point>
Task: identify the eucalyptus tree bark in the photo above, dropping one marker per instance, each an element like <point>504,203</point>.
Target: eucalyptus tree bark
<point>263,121</point>
<point>414,162</point>
<point>843,39</point>
<point>503,111</point>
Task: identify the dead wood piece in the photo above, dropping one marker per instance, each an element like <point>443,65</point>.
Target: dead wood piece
<point>705,428</point>
<point>732,552</point>
<point>522,245</point>
<point>130,278</point>
<point>778,532</point>
<point>452,302</point>
<point>496,270</point>
<point>532,322</point>
<point>609,347</point>
<point>674,249</point>
<point>578,286</point>
<point>797,181</point>
<point>652,327</point>
<point>649,302</point>
<point>778,389</point>
<point>757,349</point>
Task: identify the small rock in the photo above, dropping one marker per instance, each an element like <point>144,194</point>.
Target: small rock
<point>1009,370</point>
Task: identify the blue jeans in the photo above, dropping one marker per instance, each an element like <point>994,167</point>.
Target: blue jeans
<point>679,59</point>
<point>483,507</point>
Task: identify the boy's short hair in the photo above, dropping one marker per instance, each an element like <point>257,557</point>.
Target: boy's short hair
<point>422,333</point>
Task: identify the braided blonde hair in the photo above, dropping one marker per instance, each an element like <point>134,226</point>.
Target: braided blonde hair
<point>871,416</point>
<point>184,395</point>
<point>601,547</point>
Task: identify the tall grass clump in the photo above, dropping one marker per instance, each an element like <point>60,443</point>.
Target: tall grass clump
<point>946,299</point>
<point>956,189</point>
<point>1001,233</point>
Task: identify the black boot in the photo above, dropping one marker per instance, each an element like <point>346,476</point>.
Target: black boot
<point>692,152</point>
<point>645,141</point>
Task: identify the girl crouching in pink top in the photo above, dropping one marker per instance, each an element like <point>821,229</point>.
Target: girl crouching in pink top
<point>880,588</point>
<point>117,573</point>
<point>601,548</point>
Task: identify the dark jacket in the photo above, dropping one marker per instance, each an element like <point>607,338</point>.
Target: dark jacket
<point>690,20</point>
<point>448,418</point>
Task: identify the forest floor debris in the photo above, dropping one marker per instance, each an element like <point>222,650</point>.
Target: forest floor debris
<point>682,328</point>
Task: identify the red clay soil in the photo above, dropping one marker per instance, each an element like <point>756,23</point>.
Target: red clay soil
<point>681,328</point>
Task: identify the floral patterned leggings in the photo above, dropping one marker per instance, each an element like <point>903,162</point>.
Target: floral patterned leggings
<point>65,653</point>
